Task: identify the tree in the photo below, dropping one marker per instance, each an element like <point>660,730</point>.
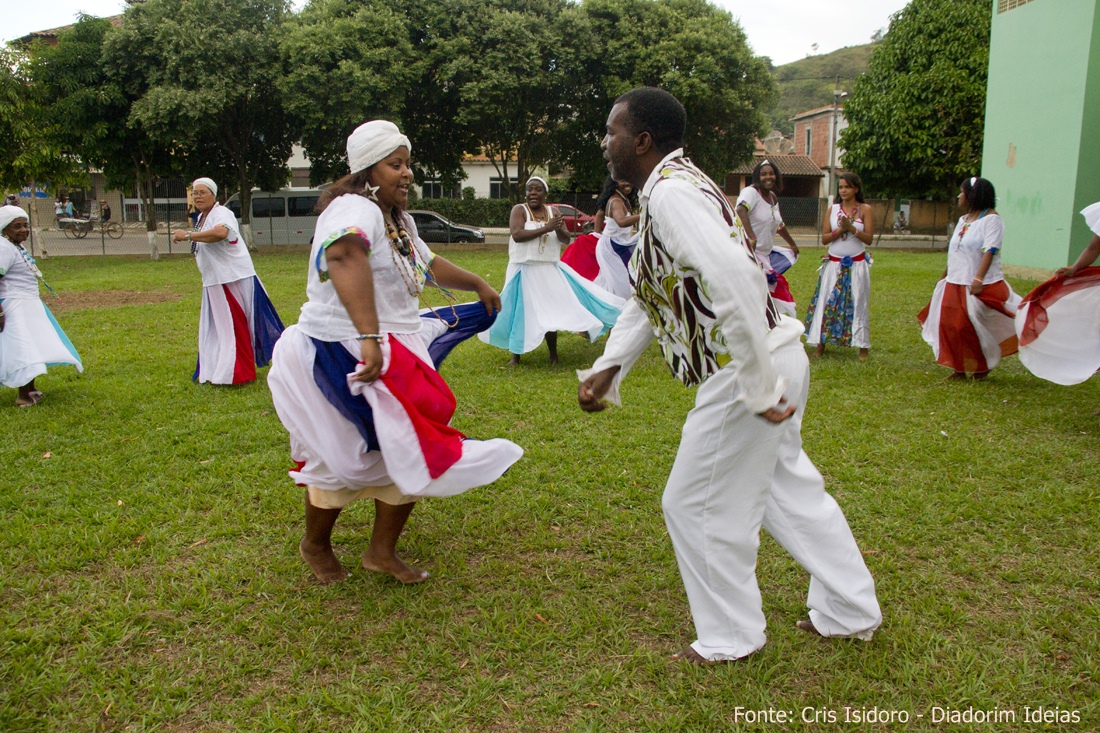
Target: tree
<point>690,48</point>
<point>210,69</point>
<point>346,62</point>
<point>915,120</point>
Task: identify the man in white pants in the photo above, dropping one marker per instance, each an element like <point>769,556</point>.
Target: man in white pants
<point>740,464</point>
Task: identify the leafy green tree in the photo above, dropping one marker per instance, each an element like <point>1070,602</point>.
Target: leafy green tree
<point>346,62</point>
<point>210,70</point>
<point>916,118</point>
<point>690,48</point>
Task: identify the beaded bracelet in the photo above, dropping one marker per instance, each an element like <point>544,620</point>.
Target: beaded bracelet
<point>371,336</point>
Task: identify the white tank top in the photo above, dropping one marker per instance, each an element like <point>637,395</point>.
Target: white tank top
<point>544,248</point>
<point>847,245</point>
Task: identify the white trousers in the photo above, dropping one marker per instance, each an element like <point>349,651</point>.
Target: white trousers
<point>735,471</point>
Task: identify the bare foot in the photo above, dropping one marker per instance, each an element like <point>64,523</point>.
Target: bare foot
<point>808,626</point>
<point>955,376</point>
<point>979,376</point>
<point>554,359</point>
<point>863,354</point>
<point>514,361</point>
<point>394,566</point>
<point>322,561</point>
<point>820,350</point>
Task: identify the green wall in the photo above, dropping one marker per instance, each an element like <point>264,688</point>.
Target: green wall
<point>1042,127</point>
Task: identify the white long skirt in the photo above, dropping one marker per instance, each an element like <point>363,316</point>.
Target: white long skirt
<point>335,457</point>
<point>861,291</point>
<point>235,336</point>
<point>549,296</point>
<point>31,341</point>
<point>614,276</point>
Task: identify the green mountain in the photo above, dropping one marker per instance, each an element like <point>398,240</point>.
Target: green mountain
<point>808,83</point>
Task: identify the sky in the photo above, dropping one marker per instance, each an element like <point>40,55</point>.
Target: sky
<point>785,30</point>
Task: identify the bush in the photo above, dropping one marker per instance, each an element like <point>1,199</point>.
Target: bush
<point>473,212</point>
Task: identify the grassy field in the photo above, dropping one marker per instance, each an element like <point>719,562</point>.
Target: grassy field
<point>150,580</point>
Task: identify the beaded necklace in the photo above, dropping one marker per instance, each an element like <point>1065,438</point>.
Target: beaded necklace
<point>412,272</point>
<point>34,268</point>
<point>545,218</point>
<point>968,222</point>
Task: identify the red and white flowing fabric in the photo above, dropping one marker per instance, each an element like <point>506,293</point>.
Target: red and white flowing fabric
<point>226,354</point>
<point>412,406</point>
<point>1058,325</point>
<point>970,333</point>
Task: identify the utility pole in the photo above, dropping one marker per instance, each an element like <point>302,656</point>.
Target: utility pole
<point>837,96</point>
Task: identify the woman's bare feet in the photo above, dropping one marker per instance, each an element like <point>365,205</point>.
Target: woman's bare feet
<point>979,376</point>
<point>395,566</point>
<point>820,350</point>
<point>322,561</point>
<point>864,354</point>
<point>514,361</point>
<point>955,376</point>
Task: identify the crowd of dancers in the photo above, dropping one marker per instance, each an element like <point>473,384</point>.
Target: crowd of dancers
<point>356,384</point>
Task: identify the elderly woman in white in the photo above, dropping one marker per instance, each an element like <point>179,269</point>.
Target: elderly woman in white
<point>30,339</point>
<point>238,325</point>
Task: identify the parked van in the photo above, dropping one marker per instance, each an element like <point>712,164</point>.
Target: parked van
<point>285,216</point>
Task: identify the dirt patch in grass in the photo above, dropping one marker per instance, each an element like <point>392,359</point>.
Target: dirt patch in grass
<point>88,299</point>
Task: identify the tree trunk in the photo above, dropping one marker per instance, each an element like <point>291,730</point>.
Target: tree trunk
<point>31,218</point>
<point>147,188</point>
<point>246,215</point>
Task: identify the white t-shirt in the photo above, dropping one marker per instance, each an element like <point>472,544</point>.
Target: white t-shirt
<point>17,279</point>
<point>227,260</point>
<point>964,253</point>
<point>324,316</point>
<point>764,217</point>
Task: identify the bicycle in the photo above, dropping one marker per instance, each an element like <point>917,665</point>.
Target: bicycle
<point>80,228</point>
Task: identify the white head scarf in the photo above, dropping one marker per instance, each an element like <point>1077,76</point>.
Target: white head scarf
<point>205,182</point>
<point>545,187</point>
<point>9,213</point>
<point>372,141</point>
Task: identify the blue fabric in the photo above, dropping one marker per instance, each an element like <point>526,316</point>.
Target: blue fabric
<point>266,326</point>
<point>331,367</point>
<point>778,262</point>
<point>606,313</point>
<point>508,328</point>
<point>625,251</point>
<point>61,334</point>
<point>472,320</point>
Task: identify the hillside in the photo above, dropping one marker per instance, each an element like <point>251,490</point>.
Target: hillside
<point>809,82</point>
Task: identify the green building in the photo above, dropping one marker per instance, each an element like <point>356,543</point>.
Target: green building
<point>1042,126</point>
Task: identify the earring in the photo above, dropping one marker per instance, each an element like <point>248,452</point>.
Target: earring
<point>372,192</point>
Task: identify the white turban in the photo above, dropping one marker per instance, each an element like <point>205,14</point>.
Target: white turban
<point>9,213</point>
<point>545,187</point>
<point>372,141</point>
<point>205,182</point>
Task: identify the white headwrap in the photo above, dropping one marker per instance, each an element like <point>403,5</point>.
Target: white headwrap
<point>545,187</point>
<point>205,182</point>
<point>9,213</point>
<point>372,141</point>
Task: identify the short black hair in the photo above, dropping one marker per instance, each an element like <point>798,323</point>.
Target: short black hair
<point>657,112</point>
<point>979,193</point>
<point>774,167</point>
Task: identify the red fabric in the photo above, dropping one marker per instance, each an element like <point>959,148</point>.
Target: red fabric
<point>581,256</point>
<point>244,366</point>
<point>1048,293</point>
<point>782,290</point>
<point>430,405</point>
<point>959,346</point>
<point>858,258</point>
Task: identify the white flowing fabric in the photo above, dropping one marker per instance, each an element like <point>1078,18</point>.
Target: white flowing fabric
<point>1068,350</point>
<point>217,338</point>
<point>614,276</point>
<point>993,328</point>
<point>861,290</point>
<point>31,341</point>
<point>333,452</point>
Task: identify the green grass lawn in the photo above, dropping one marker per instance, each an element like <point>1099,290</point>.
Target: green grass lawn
<point>150,579</point>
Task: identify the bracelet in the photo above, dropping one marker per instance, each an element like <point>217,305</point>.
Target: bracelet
<point>188,236</point>
<point>977,279</point>
<point>372,336</point>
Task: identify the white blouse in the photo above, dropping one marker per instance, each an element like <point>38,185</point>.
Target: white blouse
<point>763,216</point>
<point>226,260</point>
<point>969,243</point>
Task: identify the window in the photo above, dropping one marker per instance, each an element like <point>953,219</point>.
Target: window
<point>435,190</point>
<point>809,137</point>
<point>262,208</point>
<point>235,207</point>
<point>1003,6</point>
<point>497,189</point>
<point>300,206</point>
